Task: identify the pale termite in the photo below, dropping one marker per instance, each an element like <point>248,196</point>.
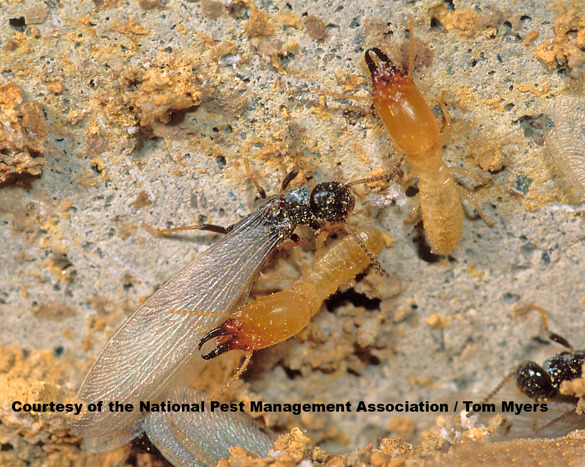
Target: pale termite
<point>415,132</point>
<point>274,318</point>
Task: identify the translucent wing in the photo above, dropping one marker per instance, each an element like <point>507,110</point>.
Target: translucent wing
<point>161,337</point>
<point>564,132</point>
<point>560,426</point>
<point>202,438</point>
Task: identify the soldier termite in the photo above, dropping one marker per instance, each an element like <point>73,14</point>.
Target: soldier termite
<point>415,132</point>
<point>203,437</point>
<point>275,318</point>
<point>543,382</point>
<point>564,133</point>
<point>156,348</point>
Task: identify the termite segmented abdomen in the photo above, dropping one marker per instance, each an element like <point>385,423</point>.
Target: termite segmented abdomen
<point>441,208</point>
<point>564,132</point>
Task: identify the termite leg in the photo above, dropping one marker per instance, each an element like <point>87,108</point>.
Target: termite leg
<point>407,180</point>
<point>544,323</point>
<point>463,193</point>
<point>415,213</point>
<point>209,227</point>
<point>321,238</point>
<point>470,174</point>
<point>252,177</point>
<point>445,135</point>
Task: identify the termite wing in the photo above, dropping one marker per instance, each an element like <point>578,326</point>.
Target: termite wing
<point>564,133</point>
<point>203,438</point>
<point>155,350</point>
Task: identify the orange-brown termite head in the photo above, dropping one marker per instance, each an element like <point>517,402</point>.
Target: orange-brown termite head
<point>404,111</point>
<point>263,323</point>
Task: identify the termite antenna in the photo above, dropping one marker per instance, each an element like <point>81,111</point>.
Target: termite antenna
<point>553,336</point>
<point>373,261</point>
<point>497,389</point>
<point>235,376</point>
<point>252,177</point>
<point>410,47</point>
<point>389,175</point>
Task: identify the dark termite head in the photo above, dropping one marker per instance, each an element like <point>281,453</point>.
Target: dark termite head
<point>534,381</point>
<point>332,201</point>
<point>543,382</point>
<point>387,78</point>
<point>539,382</point>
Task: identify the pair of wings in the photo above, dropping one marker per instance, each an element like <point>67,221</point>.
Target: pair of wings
<point>157,345</point>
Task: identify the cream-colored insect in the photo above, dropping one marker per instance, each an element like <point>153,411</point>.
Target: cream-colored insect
<point>415,132</point>
<point>564,132</point>
<point>202,438</point>
<point>275,318</point>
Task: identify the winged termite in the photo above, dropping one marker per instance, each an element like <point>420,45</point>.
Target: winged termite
<point>543,383</point>
<point>155,350</point>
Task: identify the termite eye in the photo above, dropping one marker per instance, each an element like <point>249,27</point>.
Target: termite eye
<point>533,380</point>
<point>332,201</point>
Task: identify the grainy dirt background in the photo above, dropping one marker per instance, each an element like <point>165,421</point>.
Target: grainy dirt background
<point>116,113</point>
